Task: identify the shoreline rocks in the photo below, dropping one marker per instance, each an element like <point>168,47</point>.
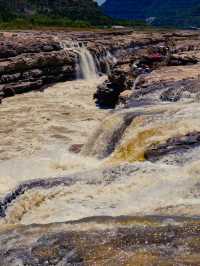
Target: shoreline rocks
<point>31,60</point>
<point>127,72</point>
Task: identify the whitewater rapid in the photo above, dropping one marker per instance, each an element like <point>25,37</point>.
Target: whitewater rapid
<point>38,128</point>
<point>135,161</point>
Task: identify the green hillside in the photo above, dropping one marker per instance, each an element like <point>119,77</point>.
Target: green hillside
<point>52,12</point>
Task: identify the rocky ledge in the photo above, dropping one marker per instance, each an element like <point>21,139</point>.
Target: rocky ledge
<point>130,71</point>
<point>32,60</point>
<point>104,241</point>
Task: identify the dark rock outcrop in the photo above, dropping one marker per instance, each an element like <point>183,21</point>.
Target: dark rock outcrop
<point>125,73</point>
<point>176,145</point>
<point>107,94</point>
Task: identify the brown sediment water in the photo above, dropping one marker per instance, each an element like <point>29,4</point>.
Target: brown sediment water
<point>142,160</point>
<point>80,185</point>
<point>38,128</point>
<point>124,183</point>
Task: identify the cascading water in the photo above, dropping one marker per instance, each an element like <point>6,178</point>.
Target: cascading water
<point>86,67</point>
<point>87,64</point>
<point>111,57</point>
<point>107,59</point>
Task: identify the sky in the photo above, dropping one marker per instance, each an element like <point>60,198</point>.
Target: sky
<point>100,1</point>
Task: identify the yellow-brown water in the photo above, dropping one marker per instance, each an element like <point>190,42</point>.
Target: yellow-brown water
<point>45,124</point>
<point>37,129</point>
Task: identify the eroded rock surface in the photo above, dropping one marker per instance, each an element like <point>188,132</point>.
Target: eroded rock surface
<point>104,241</point>
<point>129,72</point>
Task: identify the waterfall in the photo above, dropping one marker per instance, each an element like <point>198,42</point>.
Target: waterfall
<point>85,65</point>
<point>107,59</point>
<point>111,57</point>
<point>87,68</point>
<point>110,60</point>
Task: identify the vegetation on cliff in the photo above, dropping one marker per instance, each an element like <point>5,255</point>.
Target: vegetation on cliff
<point>67,13</point>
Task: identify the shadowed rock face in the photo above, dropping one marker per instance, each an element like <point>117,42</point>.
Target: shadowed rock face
<point>104,241</point>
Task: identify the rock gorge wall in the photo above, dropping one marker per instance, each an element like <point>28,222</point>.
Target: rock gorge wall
<point>32,60</point>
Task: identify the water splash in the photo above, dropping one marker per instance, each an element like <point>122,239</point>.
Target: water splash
<point>87,64</point>
<point>86,68</point>
<point>107,59</point>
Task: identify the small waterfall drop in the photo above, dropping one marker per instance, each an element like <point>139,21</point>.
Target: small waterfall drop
<point>111,57</point>
<point>107,59</point>
<point>85,66</point>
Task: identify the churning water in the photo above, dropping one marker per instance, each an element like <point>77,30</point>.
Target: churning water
<point>124,181</point>
<point>85,68</point>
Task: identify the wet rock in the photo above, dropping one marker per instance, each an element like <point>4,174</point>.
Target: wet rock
<point>144,59</point>
<point>175,91</point>
<point>120,240</point>
<point>182,60</point>
<point>76,148</point>
<point>18,88</point>
<point>171,95</point>
<point>176,145</point>
<point>22,74</point>
<point>107,94</point>
<point>105,139</point>
<point>124,97</point>
<point>165,91</point>
<point>124,74</point>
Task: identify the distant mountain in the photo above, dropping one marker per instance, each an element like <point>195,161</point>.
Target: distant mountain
<point>182,13</point>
